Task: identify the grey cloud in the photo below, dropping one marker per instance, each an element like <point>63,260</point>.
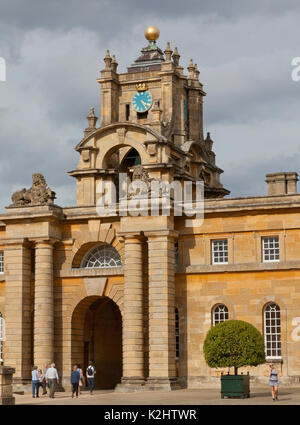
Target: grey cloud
<point>55,49</point>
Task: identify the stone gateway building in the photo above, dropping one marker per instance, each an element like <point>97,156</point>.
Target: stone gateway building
<point>137,294</point>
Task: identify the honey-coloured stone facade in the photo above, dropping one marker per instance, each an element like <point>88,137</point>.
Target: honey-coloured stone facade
<point>123,317</point>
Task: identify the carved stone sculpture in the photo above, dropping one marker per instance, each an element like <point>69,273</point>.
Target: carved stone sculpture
<point>38,194</point>
<point>140,174</point>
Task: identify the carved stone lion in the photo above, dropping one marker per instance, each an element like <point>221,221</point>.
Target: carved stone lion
<point>20,197</point>
<point>38,194</point>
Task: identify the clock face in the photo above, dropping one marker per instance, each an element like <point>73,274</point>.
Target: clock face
<point>142,101</point>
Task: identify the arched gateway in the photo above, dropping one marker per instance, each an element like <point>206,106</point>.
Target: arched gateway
<point>97,336</point>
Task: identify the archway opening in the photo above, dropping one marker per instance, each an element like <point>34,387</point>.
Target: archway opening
<point>131,159</point>
<point>97,336</point>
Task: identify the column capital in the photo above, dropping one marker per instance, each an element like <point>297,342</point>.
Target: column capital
<point>44,241</point>
<point>127,236</point>
<point>162,234</point>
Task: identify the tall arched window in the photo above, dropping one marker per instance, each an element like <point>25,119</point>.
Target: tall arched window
<point>176,333</point>
<point>272,331</point>
<point>1,261</point>
<point>102,256</point>
<point>176,255</point>
<point>219,314</point>
<point>1,337</point>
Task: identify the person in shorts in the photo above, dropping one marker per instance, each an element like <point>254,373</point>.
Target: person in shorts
<point>273,381</point>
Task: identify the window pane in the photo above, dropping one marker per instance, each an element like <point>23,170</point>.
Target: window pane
<point>176,333</point>
<point>1,261</point>
<point>220,251</point>
<point>220,314</point>
<point>103,256</point>
<point>1,335</point>
<point>270,247</point>
<point>272,330</point>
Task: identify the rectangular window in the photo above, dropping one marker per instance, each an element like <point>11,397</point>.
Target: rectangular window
<point>1,336</point>
<point>270,248</point>
<point>1,261</point>
<point>127,106</point>
<point>176,334</point>
<point>176,256</point>
<point>142,115</point>
<point>220,251</point>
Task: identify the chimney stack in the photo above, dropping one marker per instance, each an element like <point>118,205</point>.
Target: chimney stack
<point>284,183</point>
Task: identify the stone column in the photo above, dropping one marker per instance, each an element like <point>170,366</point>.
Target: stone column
<point>162,371</point>
<point>18,308</point>
<point>6,390</point>
<point>43,304</point>
<point>133,341</point>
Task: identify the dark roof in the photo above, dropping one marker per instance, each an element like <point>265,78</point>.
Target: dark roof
<point>150,59</point>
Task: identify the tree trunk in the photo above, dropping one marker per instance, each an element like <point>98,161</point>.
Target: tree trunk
<point>235,370</point>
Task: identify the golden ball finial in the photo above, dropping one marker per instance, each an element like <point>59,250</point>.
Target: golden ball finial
<point>152,33</point>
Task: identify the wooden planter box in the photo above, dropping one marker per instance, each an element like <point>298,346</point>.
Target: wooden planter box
<point>235,386</point>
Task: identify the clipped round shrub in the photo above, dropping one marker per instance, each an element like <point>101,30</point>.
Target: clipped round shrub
<point>234,343</point>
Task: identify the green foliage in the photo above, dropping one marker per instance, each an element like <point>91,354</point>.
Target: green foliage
<point>234,343</point>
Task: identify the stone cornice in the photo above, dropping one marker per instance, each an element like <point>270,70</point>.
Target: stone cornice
<point>40,212</point>
<point>252,203</point>
<point>238,268</point>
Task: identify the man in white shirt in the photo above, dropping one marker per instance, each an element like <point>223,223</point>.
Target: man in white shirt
<point>90,374</point>
<point>52,379</point>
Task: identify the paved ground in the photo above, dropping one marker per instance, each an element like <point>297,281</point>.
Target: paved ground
<point>259,396</point>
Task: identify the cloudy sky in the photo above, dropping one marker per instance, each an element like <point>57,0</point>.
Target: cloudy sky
<point>54,51</point>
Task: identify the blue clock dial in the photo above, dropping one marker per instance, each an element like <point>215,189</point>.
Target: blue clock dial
<point>141,101</point>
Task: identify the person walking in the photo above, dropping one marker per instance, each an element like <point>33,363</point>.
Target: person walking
<point>35,382</point>
<point>52,379</point>
<point>274,381</point>
<point>75,378</point>
<point>42,381</point>
<point>46,367</point>
<point>90,374</point>
<point>81,381</point>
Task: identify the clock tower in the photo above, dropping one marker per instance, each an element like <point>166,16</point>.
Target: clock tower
<point>152,115</point>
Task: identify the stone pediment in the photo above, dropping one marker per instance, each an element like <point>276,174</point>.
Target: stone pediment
<point>121,128</point>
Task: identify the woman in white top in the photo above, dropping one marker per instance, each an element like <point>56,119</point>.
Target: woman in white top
<point>81,381</point>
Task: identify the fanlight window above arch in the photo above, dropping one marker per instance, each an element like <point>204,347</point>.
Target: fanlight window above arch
<point>102,257</point>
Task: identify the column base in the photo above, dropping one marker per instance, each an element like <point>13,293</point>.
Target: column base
<point>6,390</point>
<point>162,384</point>
<point>129,385</point>
<point>7,401</point>
<point>21,385</point>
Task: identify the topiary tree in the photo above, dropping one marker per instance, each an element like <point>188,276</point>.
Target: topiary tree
<point>234,343</point>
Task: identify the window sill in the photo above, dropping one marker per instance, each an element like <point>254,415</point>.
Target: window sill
<point>270,360</point>
<point>78,272</point>
<point>270,261</point>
